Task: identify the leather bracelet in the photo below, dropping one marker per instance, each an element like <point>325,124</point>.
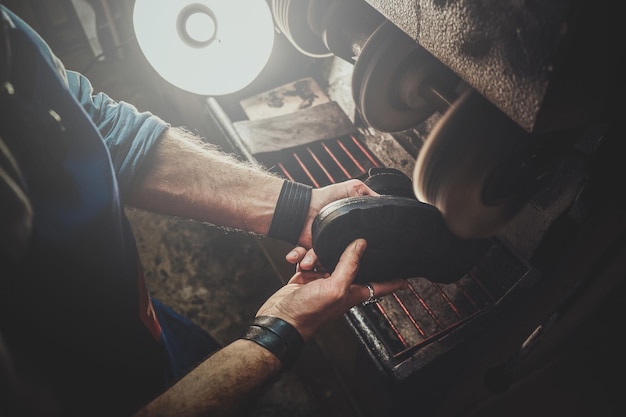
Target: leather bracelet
<point>291,212</point>
<point>277,336</point>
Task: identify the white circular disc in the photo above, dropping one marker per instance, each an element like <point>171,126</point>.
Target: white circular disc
<point>244,38</point>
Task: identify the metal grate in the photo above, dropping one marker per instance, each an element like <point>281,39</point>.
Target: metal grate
<point>323,162</point>
<point>413,327</point>
<point>427,311</point>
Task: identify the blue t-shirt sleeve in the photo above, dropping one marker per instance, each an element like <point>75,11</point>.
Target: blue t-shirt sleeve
<point>128,133</point>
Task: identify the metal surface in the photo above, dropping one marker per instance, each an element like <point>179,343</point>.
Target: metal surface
<point>545,64</point>
<point>413,328</point>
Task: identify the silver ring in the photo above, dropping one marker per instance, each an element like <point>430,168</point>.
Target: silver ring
<point>371,299</point>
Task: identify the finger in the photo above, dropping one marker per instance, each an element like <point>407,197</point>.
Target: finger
<point>316,268</point>
<point>296,255</point>
<point>370,293</point>
<point>309,261</point>
<point>363,189</point>
<point>348,264</point>
<point>379,289</point>
<point>357,187</point>
<point>387,287</point>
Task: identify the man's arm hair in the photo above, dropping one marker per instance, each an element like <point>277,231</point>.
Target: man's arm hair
<point>223,385</point>
<point>187,177</point>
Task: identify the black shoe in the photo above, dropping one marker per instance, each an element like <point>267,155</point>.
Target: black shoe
<point>405,238</point>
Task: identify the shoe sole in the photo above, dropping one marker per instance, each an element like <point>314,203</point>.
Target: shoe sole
<point>405,238</point>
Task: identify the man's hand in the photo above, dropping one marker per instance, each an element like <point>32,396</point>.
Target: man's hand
<point>303,255</point>
<point>312,298</point>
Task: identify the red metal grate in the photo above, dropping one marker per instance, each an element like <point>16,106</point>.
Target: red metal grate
<point>324,162</point>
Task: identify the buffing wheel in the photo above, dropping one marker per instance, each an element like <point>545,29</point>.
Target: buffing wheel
<point>472,167</point>
<point>394,79</point>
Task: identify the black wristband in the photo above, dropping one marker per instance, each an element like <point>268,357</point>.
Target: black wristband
<point>291,212</point>
<point>277,336</point>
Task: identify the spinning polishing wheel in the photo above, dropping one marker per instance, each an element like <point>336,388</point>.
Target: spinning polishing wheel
<point>396,84</point>
<point>207,47</point>
<point>478,167</point>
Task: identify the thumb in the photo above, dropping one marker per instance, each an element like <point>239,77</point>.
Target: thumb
<point>348,264</point>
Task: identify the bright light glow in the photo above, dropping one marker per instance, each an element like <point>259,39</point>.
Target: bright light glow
<point>200,26</point>
<point>244,38</point>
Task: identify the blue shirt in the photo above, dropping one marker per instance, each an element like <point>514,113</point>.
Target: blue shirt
<point>75,308</point>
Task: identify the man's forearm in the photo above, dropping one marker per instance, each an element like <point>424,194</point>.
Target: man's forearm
<point>222,385</point>
<point>187,178</point>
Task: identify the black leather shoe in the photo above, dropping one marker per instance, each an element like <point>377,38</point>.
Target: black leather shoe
<point>405,238</point>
